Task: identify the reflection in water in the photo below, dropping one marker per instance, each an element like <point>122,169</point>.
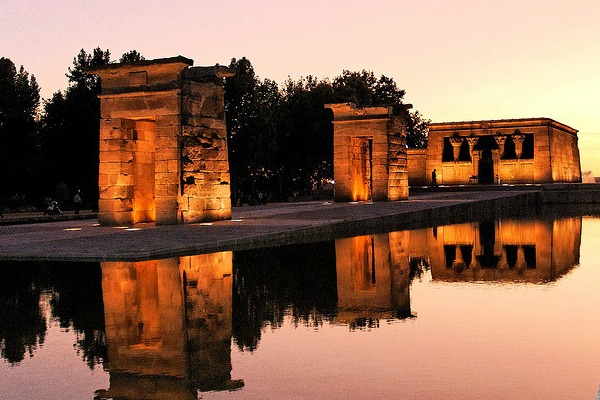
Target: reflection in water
<point>22,323</point>
<point>71,291</point>
<point>168,326</point>
<point>163,328</point>
<point>373,276</point>
<point>532,251</point>
<point>299,281</point>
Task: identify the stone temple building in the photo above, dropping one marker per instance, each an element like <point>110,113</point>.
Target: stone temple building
<point>369,153</point>
<point>163,143</point>
<point>532,150</point>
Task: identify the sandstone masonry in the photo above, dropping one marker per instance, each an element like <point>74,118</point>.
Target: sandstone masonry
<point>163,143</point>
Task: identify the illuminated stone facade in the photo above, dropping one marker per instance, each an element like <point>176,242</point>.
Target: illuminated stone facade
<point>369,153</point>
<point>163,143</point>
<point>533,150</point>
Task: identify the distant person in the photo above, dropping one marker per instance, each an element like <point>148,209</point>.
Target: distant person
<point>53,209</point>
<point>77,201</point>
<point>433,178</point>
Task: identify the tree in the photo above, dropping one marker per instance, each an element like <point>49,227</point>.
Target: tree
<point>252,113</point>
<point>19,153</point>
<point>417,130</point>
<point>305,141</point>
<point>131,56</point>
<point>70,130</point>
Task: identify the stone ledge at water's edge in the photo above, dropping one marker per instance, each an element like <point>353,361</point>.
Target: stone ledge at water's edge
<point>286,223</point>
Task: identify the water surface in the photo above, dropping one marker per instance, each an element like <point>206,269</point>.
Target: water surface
<point>502,309</point>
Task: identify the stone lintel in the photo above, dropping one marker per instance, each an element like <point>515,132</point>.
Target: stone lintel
<point>493,125</point>
<point>208,74</point>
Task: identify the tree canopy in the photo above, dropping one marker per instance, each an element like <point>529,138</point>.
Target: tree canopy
<point>70,132</point>
<point>19,152</point>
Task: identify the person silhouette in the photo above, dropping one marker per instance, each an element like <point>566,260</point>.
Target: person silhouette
<point>433,178</point>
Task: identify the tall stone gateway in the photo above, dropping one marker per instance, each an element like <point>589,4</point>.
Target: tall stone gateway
<point>163,143</point>
<point>369,153</point>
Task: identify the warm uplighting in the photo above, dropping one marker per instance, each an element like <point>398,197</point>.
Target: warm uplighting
<point>206,223</point>
<point>120,227</point>
<point>72,229</point>
<point>133,229</point>
<point>236,220</point>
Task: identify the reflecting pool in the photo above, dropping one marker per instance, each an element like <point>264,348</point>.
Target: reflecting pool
<point>500,308</point>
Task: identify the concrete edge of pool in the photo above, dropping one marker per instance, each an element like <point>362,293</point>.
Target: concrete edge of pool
<point>287,223</point>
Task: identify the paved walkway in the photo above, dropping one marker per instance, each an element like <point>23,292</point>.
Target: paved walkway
<point>250,227</point>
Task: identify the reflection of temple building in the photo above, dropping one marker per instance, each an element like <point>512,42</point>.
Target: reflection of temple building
<point>168,326</point>
<point>505,250</point>
<point>374,272</point>
<point>373,278</point>
<point>534,150</point>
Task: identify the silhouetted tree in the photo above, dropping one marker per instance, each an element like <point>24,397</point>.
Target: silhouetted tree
<point>305,141</point>
<point>417,130</point>
<point>70,128</point>
<point>19,152</point>
<point>252,111</point>
<point>131,56</point>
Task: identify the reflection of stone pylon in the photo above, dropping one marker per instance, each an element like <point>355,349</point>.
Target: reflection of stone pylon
<point>168,327</point>
<point>208,283</point>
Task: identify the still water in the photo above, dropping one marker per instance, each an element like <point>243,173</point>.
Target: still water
<point>502,309</point>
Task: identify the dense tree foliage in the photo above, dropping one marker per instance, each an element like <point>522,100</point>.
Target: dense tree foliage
<point>19,152</point>
<point>70,132</point>
<point>131,56</point>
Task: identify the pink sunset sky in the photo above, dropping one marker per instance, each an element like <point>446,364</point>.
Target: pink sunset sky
<point>457,59</point>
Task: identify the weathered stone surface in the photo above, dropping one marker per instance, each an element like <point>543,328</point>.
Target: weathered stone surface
<point>163,148</point>
<point>532,150</point>
<point>367,142</point>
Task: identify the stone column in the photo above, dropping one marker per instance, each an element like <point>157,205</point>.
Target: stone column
<point>472,140</point>
<point>456,142</point>
<point>518,139</point>
<point>497,155</point>
<point>500,140</point>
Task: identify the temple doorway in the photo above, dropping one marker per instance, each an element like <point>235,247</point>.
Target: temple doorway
<point>143,149</point>
<point>486,168</point>
<point>362,168</point>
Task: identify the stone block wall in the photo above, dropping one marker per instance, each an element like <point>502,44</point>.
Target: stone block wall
<point>163,143</point>
<point>417,173</point>
<point>555,153</point>
<point>369,160</point>
<point>204,160</point>
<point>566,165</point>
